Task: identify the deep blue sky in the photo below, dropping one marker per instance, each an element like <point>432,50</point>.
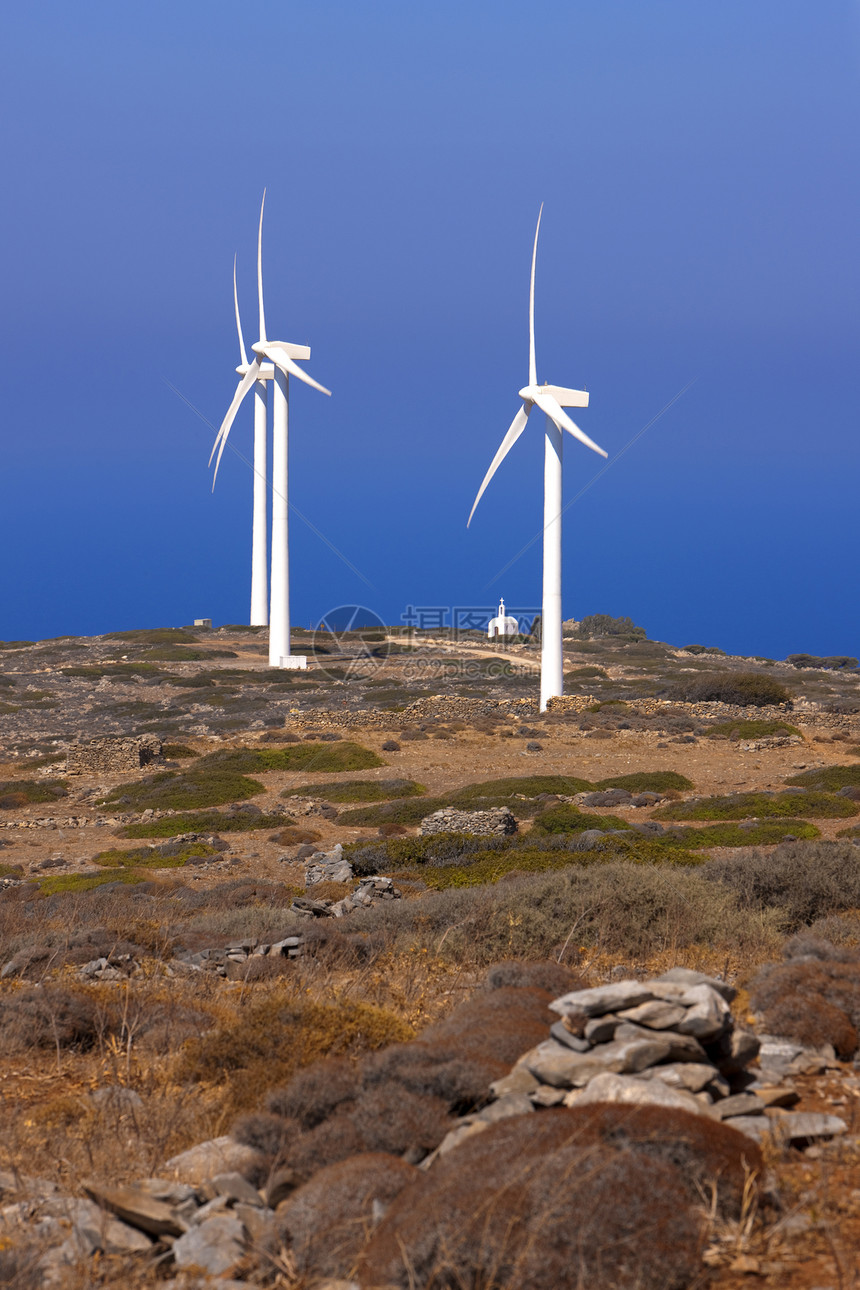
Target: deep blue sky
<point>699,168</point>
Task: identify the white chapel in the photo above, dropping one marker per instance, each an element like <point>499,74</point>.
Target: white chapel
<point>503,624</point>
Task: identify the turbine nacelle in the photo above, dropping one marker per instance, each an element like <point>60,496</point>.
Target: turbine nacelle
<point>291,351</point>
<point>564,397</point>
<point>266,372</point>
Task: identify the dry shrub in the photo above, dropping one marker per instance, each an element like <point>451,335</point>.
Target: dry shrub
<point>495,1026</point>
<point>326,1222</point>
<point>55,1016</point>
<point>552,977</point>
<point>401,1099</point>
<point>387,1118</point>
<point>294,836</point>
<point>271,1038</point>
<point>607,1197</point>
<point>806,880</point>
<point>316,1093</point>
<point>813,1000</point>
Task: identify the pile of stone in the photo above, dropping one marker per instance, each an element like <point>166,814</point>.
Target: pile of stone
<point>497,822</point>
<point>370,889</point>
<point>670,1042</point>
<point>113,755</point>
<point>328,866</point>
<point>225,960</point>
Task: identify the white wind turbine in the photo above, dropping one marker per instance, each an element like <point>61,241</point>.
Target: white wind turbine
<point>552,400</point>
<point>282,365</point>
<point>259,540</point>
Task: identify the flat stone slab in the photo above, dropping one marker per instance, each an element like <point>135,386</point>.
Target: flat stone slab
<point>635,1092</point>
<point>692,1076</point>
<point>681,1048</point>
<point>138,1208</point>
<point>795,1126</point>
<point>740,1104</point>
<point>656,1014</point>
<point>603,998</point>
<point>552,1063</point>
<point>688,976</point>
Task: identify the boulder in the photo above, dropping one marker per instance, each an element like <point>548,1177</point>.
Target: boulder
<point>214,1246</point>
<point>217,1156</point>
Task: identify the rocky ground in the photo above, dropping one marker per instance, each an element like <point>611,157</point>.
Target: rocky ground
<point>190,921</point>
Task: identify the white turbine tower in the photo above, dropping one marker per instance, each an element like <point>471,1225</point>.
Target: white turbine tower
<point>282,356</point>
<point>552,400</point>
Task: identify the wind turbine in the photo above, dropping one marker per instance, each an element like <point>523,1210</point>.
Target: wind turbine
<point>259,539</point>
<point>551,400</point>
<point>281,356</point>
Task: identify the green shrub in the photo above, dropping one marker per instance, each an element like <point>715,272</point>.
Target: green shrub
<point>490,866</point>
<point>835,663</point>
<point>192,790</point>
<point>154,857</point>
<point>178,752</point>
<point>828,778</point>
<point>566,818</point>
<point>703,649</point>
<point>304,756</point>
<point>596,625</point>
<point>511,792</point>
<point>752,729</point>
<point>584,673</point>
<point>205,822</point>
<point>409,852</point>
<point>744,806</point>
<point>359,790</point>
<point>519,795</point>
<point>15,793</point>
<point>399,812</point>
<point>744,689</point>
<point>77,882</point>
<point>762,833</point>
<point>648,781</point>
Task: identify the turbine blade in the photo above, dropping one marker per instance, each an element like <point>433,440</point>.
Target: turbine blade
<point>517,426</point>
<point>275,351</point>
<point>551,406</point>
<point>238,319</point>
<point>260,270</point>
<point>532,361</point>
<point>241,390</point>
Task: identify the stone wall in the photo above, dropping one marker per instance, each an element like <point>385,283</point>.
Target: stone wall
<point>113,756</point>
